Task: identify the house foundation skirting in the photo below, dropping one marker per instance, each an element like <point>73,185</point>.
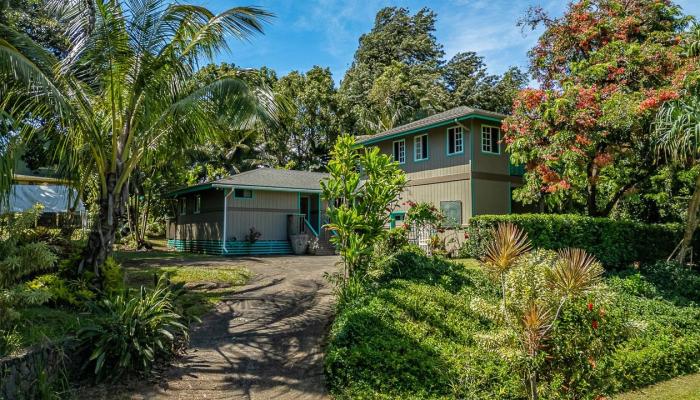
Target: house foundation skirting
<point>234,248</point>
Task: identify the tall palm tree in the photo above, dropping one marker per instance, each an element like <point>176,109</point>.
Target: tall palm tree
<point>127,88</point>
<point>678,128</point>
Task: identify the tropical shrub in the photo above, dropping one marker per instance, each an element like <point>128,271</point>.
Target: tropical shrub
<point>615,243</point>
<point>430,328</point>
<point>362,190</point>
<point>131,333</point>
<point>61,291</point>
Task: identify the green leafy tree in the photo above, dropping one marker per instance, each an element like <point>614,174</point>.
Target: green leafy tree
<point>401,48</point>
<point>470,84</point>
<point>310,124</point>
<point>126,88</point>
<point>362,190</point>
<point>586,136</point>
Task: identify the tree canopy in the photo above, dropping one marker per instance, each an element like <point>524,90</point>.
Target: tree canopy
<point>586,134</point>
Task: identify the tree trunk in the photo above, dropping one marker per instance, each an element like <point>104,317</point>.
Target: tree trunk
<point>591,203</point>
<point>101,239</point>
<point>691,223</point>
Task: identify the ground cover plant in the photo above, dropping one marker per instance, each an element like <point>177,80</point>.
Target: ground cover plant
<point>429,328</point>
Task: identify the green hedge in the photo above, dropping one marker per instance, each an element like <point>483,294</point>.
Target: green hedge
<point>615,243</point>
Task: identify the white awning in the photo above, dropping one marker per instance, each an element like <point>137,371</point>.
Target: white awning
<point>54,198</point>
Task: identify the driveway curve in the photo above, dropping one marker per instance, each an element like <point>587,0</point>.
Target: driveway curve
<point>263,342</point>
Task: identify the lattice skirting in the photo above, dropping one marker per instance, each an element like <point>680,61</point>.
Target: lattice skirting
<point>261,247</point>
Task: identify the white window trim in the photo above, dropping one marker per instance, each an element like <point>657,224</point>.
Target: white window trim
<point>416,142</point>
<point>198,204</point>
<point>401,153</point>
<point>456,129</point>
<point>494,143</point>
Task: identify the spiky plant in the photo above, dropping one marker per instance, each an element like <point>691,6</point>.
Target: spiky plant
<point>576,272</point>
<point>535,322</point>
<point>509,243</point>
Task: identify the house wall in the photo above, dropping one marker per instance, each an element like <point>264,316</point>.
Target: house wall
<point>267,212</point>
<point>446,177</point>
<point>206,225</point>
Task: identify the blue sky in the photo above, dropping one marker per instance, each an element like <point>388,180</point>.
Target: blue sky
<point>305,33</point>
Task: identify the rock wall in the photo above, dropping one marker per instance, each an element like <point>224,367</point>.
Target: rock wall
<point>25,375</point>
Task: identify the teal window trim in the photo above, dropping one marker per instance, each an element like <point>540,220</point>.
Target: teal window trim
<point>447,141</point>
<point>417,139</point>
<point>319,213</point>
<point>392,220</point>
<point>252,194</point>
<point>496,142</point>
<point>393,151</point>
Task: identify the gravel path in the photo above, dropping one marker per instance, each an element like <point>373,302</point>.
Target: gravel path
<point>264,342</point>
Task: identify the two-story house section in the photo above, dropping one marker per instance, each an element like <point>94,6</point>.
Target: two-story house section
<point>455,160</point>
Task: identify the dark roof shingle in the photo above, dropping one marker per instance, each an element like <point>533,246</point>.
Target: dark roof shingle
<point>276,178</point>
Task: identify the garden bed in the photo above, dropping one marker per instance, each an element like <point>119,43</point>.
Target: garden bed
<point>414,334</point>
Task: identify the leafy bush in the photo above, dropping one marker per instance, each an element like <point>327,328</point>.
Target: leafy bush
<point>62,291</point>
<point>113,276</point>
<point>131,333</point>
<point>615,243</point>
<point>424,329</point>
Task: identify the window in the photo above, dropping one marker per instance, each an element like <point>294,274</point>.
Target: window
<point>397,218</point>
<point>420,147</point>
<point>243,193</point>
<point>183,206</point>
<point>455,140</point>
<point>490,135</point>
<point>452,211</point>
<point>400,151</point>
<point>198,204</point>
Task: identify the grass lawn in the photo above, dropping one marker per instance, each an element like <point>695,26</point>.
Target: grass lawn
<point>417,333</point>
<point>682,388</point>
<point>144,268</point>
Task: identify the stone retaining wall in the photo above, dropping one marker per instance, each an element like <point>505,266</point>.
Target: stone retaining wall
<point>25,375</point>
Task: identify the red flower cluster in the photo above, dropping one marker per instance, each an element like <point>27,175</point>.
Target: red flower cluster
<point>656,99</point>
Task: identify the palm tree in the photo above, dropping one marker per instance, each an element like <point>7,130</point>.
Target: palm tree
<point>127,88</point>
<point>678,128</point>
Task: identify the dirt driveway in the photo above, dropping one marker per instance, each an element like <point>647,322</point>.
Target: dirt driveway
<point>264,342</point>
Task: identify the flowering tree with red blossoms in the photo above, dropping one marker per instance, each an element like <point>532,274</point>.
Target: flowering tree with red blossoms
<point>604,68</point>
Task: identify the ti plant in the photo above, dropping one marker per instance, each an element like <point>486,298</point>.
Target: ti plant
<point>509,243</point>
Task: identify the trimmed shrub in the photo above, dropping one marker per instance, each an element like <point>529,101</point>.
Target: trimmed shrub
<point>615,243</point>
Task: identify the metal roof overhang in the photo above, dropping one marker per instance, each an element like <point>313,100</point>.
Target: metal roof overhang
<point>431,126</point>
<point>207,186</point>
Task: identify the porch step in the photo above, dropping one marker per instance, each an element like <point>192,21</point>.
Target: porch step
<point>325,248</point>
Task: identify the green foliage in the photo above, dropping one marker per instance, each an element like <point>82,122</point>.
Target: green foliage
<point>361,191</point>
<point>425,330</point>
<point>131,332</point>
<point>61,291</point>
<point>615,243</point>
<point>114,279</point>
<point>587,134</point>
<point>398,75</point>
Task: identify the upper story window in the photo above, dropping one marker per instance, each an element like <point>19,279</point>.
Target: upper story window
<point>490,135</point>
<point>198,204</point>
<point>400,151</point>
<point>455,140</point>
<point>183,205</point>
<point>420,147</point>
<point>243,193</point>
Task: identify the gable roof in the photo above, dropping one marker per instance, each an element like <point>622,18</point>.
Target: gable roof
<point>443,118</point>
<point>264,179</point>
